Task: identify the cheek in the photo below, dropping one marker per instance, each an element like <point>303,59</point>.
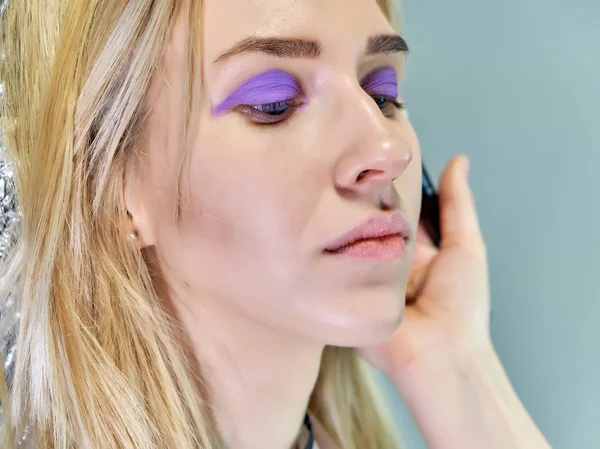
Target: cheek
<point>243,210</point>
<point>408,185</point>
<point>243,205</point>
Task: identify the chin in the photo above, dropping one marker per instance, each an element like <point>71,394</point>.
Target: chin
<point>373,320</point>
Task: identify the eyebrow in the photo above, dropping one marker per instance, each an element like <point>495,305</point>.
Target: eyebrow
<point>309,49</point>
<point>386,44</point>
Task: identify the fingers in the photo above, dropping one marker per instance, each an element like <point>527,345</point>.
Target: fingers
<point>416,281</point>
<point>425,252</point>
<point>458,216</point>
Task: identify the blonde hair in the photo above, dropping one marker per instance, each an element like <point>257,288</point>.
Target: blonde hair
<point>100,362</point>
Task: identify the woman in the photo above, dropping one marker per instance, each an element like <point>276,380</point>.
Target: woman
<point>220,203</point>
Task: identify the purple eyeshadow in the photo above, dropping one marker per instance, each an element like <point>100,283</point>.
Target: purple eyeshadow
<point>272,86</point>
<point>382,82</point>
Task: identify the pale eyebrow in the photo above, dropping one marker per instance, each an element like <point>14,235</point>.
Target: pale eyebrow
<point>309,49</point>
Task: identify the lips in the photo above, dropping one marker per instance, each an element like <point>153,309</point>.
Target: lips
<point>379,236</point>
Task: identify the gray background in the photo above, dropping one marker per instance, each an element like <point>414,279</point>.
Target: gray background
<point>515,84</point>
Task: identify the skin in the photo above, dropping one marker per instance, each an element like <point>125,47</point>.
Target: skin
<point>245,268</point>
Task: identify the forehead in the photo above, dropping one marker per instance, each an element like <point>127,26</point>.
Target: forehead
<point>329,21</point>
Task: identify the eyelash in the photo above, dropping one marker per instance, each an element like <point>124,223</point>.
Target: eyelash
<point>387,101</point>
<point>259,113</point>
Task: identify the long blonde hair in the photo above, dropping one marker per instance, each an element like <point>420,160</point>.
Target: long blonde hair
<point>99,361</point>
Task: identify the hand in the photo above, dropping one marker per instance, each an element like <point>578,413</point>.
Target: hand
<point>441,359</point>
<point>448,300</point>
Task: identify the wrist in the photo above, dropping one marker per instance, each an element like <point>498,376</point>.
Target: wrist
<point>452,353</point>
<point>462,398</point>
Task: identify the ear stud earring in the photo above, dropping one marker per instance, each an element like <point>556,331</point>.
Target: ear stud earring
<point>132,235</point>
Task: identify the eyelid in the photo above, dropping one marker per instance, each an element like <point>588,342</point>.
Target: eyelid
<point>382,81</point>
<point>263,118</point>
<point>271,86</point>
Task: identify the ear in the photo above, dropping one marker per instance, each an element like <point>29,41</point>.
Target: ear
<point>139,217</point>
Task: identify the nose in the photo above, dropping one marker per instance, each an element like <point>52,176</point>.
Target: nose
<point>374,151</point>
<point>378,169</point>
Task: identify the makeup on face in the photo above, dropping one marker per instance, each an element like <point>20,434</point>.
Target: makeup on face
<point>381,237</point>
<point>383,82</point>
<point>273,86</point>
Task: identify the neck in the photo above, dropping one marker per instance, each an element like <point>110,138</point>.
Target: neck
<point>260,380</point>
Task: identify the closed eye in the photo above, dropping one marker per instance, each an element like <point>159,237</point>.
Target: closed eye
<point>265,98</point>
<point>270,113</point>
<point>382,85</point>
<point>387,105</point>
<point>277,112</point>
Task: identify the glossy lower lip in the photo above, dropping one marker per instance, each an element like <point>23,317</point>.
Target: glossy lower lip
<point>389,247</point>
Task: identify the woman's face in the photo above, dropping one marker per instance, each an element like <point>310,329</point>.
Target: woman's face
<point>299,142</point>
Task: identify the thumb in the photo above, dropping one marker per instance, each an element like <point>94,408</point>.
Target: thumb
<point>458,217</point>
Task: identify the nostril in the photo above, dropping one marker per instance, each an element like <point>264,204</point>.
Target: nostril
<point>361,175</point>
<point>369,175</point>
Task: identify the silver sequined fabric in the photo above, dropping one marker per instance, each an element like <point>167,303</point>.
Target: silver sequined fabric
<point>9,222</point>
